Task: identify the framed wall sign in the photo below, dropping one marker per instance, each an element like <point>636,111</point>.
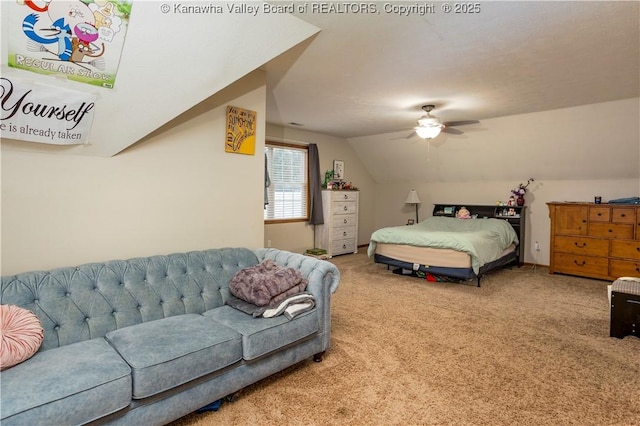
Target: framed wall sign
<point>338,169</point>
<point>241,131</point>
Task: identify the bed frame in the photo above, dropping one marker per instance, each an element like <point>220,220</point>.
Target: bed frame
<point>515,215</point>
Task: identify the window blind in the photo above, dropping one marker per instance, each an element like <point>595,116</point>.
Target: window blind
<point>288,190</point>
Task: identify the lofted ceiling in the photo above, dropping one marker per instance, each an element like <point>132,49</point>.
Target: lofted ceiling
<point>369,73</point>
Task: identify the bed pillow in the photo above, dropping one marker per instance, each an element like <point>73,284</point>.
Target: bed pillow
<point>21,335</point>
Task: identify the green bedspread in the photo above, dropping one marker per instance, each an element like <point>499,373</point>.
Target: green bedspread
<point>483,239</point>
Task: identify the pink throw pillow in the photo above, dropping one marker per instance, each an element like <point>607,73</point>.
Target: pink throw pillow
<point>21,335</point>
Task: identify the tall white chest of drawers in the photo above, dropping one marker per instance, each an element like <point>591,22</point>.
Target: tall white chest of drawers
<point>339,234</point>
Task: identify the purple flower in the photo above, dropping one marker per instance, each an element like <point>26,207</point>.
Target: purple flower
<point>522,188</point>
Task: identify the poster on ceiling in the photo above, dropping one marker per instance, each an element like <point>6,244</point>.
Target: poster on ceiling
<point>81,40</point>
<point>42,113</point>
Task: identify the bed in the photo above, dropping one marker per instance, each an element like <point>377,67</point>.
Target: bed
<point>461,249</point>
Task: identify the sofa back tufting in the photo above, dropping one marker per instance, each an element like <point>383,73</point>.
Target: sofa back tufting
<point>88,301</point>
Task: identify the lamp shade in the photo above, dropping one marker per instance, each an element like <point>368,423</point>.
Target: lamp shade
<point>412,197</point>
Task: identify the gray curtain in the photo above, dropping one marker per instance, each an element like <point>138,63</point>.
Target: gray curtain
<point>315,186</point>
<point>267,182</point>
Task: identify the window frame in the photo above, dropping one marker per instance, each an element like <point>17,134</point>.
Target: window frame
<point>308,202</point>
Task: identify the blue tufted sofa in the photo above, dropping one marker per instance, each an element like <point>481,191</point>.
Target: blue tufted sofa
<point>149,340</point>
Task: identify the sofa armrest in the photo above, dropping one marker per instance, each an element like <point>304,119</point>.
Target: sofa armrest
<point>318,272</point>
<point>323,276</point>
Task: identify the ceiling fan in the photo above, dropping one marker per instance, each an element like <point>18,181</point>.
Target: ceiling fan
<point>429,126</point>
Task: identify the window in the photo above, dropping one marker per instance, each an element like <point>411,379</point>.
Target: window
<point>289,184</point>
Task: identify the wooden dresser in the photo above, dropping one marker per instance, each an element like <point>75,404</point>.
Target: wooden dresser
<point>595,240</point>
<point>339,234</point>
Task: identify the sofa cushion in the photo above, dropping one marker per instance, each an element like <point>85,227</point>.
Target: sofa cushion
<point>21,335</point>
<point>169,352</point>
<point>263,335</point>
<point>73,384</point>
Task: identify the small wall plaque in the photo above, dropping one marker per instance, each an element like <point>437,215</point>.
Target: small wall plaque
<point>241,131</point>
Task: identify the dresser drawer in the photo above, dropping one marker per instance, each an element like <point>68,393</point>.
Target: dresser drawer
<point>629,249</point>
<point>611,230</point>
<point>581,265</point>
<point>344,195</point>
<point>581,245</point>
<point>344,207</point>
<point>622,215</point>
<point>343,246</point>
<point>344,233</point>
<point>344,220</point>
<point>599,214</point>
<point>625,268</point>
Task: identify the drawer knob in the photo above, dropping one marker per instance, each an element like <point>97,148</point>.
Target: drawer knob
<point>344,246</point>
<point>346,197</point>
<point>581,263</point>
<point>344,233</point>
<point>344,220</point>
<point>345,208</point>
<point>583,245</point>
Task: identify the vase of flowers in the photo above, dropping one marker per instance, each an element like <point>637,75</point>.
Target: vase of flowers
<point>519,192</point>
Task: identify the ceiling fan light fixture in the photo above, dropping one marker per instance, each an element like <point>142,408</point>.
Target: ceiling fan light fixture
<point>430,127</point>
<point>427,132</point>
<point>429,121</point>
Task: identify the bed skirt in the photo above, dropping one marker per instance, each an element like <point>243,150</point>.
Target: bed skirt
<point>457,273</point>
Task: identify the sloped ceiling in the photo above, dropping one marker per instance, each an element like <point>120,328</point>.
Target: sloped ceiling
<point>170,63</point>
<point>597,141</point>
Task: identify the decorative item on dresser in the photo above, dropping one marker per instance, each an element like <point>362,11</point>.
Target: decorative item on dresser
<point>595,240</point>
<point>339,233</point>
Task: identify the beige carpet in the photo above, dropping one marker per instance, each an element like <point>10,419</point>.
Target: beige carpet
<point>526,348</point>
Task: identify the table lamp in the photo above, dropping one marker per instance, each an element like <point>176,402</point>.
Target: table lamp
<point>412,198</point>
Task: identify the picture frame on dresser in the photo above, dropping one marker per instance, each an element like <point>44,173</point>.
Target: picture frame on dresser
<point>338,169</point>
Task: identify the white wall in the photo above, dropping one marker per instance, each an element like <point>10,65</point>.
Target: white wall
<point>175,191</point>
<point>298,236</point>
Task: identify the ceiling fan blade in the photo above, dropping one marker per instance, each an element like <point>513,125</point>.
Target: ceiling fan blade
<point>409,136</point>
<point>452,131</point>
<point>461,123</point>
